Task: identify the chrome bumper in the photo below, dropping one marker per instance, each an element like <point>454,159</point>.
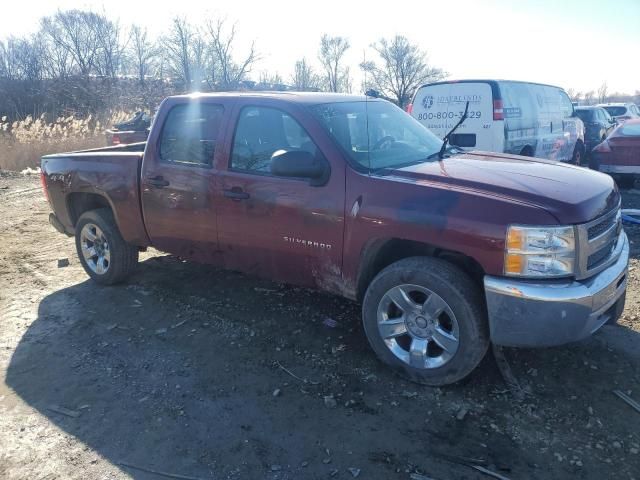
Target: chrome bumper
<point>526,313</point>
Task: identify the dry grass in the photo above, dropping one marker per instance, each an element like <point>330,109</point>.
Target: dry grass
<point>22,143</point>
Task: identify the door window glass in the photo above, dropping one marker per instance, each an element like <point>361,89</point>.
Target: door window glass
<point>260,132</point>
<point>190,133</point>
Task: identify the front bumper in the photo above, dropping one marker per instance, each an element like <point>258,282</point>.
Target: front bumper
<point>526,313</point>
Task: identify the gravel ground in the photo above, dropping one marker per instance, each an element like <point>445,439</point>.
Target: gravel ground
<point>200,373</point>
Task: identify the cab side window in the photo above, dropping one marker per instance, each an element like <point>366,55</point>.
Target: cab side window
<point>260,132</point>
<point>190,133</point>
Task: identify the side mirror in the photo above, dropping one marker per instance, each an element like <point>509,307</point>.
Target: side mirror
<point>300,164</point>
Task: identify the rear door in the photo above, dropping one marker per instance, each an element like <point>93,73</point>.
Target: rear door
<point>440,106</point>
<point>281,228</point>
<point>178,178</point>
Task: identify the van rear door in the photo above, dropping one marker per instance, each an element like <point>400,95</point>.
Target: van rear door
<point>439,107</point>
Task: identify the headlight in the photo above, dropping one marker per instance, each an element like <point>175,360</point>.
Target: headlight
<point>540,251</point>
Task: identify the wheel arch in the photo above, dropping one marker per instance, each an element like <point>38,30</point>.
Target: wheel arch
<point>81,202</point>
<point>380,253</point>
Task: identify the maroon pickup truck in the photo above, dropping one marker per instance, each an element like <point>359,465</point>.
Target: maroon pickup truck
<point>446,250</point>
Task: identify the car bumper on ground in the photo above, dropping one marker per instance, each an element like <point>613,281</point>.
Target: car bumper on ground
<point>524,313</point>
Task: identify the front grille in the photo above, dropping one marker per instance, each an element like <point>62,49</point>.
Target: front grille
<point>597,241</point>
<point>598,258</point>
<point>599,228</point>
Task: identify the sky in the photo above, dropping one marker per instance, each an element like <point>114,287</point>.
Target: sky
<point>573,44</point>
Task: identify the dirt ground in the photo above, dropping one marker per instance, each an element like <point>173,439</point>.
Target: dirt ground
<point>200,373</point>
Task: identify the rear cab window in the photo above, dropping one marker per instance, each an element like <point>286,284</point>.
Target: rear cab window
<point>190,133</point>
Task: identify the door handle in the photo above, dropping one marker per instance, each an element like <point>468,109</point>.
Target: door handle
<point>157,181</point>
<point>236,193</point>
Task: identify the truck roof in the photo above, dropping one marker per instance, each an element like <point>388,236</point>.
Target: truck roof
<point>310,98</point>
<point>493,81</point>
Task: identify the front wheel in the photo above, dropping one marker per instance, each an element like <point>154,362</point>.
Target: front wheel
<point>103,253</point>
<point>425,317</point>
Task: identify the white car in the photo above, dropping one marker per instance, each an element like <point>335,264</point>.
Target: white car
<point>621,111</point>
<point>521,118</point>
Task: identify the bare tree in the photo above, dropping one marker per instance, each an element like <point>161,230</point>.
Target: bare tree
<point>179,50</point>
<point>304,78</point>
<point>142,51</point>
<point>602,92</point>
<point>75,32</point>
<point>22,59</point>
<point>332,50</point>
<point>111,46</point>
<point>589,97</point>
<point>226,71</point>
<point>404,68</point>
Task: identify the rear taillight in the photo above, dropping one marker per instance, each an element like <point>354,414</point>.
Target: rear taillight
<point>498,112</point>
<point>410,108</point>
<point>115,140</point>
<point>43,182</point>
<point>604,147</point>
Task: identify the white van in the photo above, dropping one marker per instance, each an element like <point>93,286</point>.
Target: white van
<point>522,118</point>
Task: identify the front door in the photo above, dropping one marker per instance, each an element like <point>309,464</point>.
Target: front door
<point>281,228</point>
<point>178,180</point>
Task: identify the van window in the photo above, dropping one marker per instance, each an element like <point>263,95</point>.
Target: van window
<point>190,133</point>
<point>565,104</point>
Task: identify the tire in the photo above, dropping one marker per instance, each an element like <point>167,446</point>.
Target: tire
<point>462,315</point>
<point>527,151</point>
<point>110,261</point>
<point>578,154</point>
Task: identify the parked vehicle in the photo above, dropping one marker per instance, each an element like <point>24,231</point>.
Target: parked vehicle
<point>621,111</point>
<point>598,125</point>
<point>619,154</point>
<point>447,250</point>
<point>522,118</point>
<point>134,130</point>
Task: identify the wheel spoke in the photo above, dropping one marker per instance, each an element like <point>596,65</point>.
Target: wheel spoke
<point>433,306</point>
<point>445,340</point>
<point>89,235</point>
<point>100,266</point>
<point>392,328</point>
<point>418,352</point>
<point>88,252</point>
<point>400,297</point>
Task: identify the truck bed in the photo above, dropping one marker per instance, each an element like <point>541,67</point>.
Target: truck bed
<point>103,176</point>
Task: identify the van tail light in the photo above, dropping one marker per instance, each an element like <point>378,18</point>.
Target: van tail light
<point>410,108</point>
<point>43,182</point>
<point>498,111</point>
<point>604,147</point>
<point>115,140</point>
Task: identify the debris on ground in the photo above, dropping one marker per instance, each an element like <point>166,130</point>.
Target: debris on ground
<point>488,472</point>
<point>63,262</point>
<point>330,402</point>
<point>276,392</point>
<point>355,472</point>
<point>64,411</point>
<point>158,472</point>
<point>329,322</point>
<point>462,413</point>
<point>630,401</point>
<point>507,374</point>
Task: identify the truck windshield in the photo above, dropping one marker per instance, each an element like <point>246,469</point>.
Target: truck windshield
<point>377,134</point>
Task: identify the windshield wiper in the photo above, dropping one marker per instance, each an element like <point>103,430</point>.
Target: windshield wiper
<point>445,140</point>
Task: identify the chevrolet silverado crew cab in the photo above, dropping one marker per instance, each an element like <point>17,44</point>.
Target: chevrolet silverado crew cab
<point>446,250</point>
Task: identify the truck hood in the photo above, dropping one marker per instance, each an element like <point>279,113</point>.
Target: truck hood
<point>571,194</point>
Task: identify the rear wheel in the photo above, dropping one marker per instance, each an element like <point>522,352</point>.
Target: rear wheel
<point>527,151</point>
<point>426,318</point>
<point>578,154</point>
<point>103,253</point>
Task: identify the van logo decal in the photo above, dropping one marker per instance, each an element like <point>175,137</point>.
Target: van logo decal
<point>427,102</point>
